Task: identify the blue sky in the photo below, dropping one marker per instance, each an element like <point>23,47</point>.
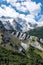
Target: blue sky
<point>37,1</point>
<point>31,10</point>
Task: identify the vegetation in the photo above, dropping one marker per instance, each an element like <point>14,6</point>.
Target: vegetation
<point>39,52</point>
<point>13,58</point>
<point>38,32</point>
<point>14,40</point>
<point>9,57</point>
<point>35,59</point>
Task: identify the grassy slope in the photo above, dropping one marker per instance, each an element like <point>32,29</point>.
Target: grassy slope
<point>39,52</point>
<point>13,57</point>
<point>18,59</point>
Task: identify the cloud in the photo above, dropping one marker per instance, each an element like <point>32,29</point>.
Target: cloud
<point>41,18</point>
<point>27,5</point>
<point>8,11</point>
<point>40,21</point>
<point>24,6</point>
<point>40,24</point>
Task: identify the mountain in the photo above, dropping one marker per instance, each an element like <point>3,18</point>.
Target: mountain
<point>13,24</point>
<point>5,25</point>
<point>17,24</point>
<point>32,25</point>
<point>38,32</point>
<point>21,24</point>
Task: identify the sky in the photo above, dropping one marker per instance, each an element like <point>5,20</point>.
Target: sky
<point>30,10</point>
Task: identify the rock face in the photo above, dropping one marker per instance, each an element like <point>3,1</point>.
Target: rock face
<point>21,35</point>
<point>34,42</point>
<point>41,40</point>
<point>24,45</point>
<point>36,45</point>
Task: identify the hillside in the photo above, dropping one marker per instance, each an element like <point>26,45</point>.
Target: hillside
<point>38,32</point>
<point>9,56</point>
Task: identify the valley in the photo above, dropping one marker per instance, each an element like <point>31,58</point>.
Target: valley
<point>18,48</point>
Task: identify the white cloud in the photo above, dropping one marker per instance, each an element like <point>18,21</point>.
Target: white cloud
<point>41,18</point>
<point>40,23</point>
<point>25,6</point>
<point>8,11</point>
